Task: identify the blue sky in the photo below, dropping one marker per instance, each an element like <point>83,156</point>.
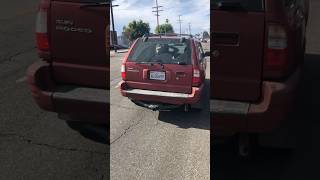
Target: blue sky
<point>196,12</point>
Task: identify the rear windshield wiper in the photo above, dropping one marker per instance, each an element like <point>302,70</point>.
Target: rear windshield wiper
<point>152,63</point>
<point>231,6</point>
<point>94,4</point>
<point>145,62</point>
<point>180,63</point>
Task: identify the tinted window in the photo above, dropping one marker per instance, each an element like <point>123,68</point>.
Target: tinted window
<point>250,5</point>
<point>166,51</point>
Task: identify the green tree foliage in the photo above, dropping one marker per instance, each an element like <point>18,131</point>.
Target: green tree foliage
<point>136,29</point>
<point>164,28</point>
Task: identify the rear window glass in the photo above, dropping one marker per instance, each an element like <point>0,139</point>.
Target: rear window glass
<point>249,5</point>
<point>161,50</point>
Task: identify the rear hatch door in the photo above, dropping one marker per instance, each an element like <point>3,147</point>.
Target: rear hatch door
<point>160,64</point>
<point>78,42</point>
<point>237,49</point>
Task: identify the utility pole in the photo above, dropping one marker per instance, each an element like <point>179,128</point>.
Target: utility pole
<point>190,28</point>
<point>157,10</point>
<point>113,29</point>
<point>180,21</point>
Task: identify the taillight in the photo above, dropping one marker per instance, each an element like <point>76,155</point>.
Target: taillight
<point>276,50</point>
<point>41,26</point>
<point>123,72</point>
<point>196,77</point>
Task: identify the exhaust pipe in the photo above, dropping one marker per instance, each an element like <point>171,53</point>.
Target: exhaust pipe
<point>244,145</point>
<point>186,108</point>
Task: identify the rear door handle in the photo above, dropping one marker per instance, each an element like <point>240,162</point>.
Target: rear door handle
<point>219,38</point>
<point>180,74</point>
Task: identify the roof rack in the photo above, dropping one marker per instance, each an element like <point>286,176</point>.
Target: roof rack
<point>168,34</point>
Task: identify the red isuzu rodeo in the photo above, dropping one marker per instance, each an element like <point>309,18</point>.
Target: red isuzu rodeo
<point>71,77</point>
<point>257,53</point>
<point>161,72</point>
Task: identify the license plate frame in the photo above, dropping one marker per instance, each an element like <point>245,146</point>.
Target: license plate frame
<point>157,75</point>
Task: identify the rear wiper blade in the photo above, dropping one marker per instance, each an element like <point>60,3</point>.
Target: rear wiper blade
<point>94,4</point>
<point>180,63</point>
<point>144,62</point>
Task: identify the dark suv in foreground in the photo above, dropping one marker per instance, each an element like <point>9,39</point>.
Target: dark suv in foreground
<point>71,78</point>
<point>164,72</point>
<point>258,49</point>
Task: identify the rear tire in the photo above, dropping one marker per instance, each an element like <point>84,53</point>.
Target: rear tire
<point>95,132</point>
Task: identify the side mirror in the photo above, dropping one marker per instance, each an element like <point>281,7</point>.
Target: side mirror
<point>207,53</point>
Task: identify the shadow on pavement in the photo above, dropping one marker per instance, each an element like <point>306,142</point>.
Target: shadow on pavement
<point>281,164</point>
<point>194,118</point>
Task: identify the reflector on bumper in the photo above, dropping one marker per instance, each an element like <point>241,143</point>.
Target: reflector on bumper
<point>229,107</point>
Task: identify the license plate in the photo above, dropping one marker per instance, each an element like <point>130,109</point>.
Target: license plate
<point>157,75</point>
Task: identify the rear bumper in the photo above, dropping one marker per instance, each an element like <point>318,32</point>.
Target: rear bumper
<point>160,96</point>
<point>73,102</point>
<point>278,99</point>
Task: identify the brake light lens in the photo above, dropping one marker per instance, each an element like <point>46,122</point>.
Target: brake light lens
<point>41,26</point>
<point>123,72</point>
<point>196,77</point>
<point>276,51</point>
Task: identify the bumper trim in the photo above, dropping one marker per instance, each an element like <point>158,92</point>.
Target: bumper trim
<point>81,93</point>
<point>157,93</point>
<point>229,107</point>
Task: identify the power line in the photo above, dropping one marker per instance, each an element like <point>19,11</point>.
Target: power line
<point>157,10</point>
<point>113,28</point>
<point>180,21</point>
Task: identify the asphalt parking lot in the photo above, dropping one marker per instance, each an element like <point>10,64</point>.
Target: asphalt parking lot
<point>35,144</point>
<point>281,164</point>
<point>156,145</point>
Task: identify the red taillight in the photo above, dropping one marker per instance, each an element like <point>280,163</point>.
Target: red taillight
<point>42,42</point>
<point>41,26</point>
<point>196,77</point>
<point>123,72</point>
<point>276,50</point>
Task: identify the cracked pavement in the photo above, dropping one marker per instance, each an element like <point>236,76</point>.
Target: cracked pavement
<point>150,145</point>
<point>35,144</point>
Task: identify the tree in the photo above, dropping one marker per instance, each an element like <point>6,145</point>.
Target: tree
<point>136,29</point>
<point>164,28</point>
<point>205,35</point>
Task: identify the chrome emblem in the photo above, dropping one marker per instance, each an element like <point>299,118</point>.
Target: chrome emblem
<point>69,26</point>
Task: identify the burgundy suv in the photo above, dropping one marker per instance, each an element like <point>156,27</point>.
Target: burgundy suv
<point>258,48</point>
<point>72,76</point>
<point>164,72</point>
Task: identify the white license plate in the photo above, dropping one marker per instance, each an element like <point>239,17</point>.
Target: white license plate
<point>157,75</point>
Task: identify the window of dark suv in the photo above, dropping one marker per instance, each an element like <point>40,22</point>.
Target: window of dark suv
<point>161,50</point>
<point>248,5</point>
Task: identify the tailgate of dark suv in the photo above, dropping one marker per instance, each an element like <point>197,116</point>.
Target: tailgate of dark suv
<point>238,28</point>
<point>78,42</point>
